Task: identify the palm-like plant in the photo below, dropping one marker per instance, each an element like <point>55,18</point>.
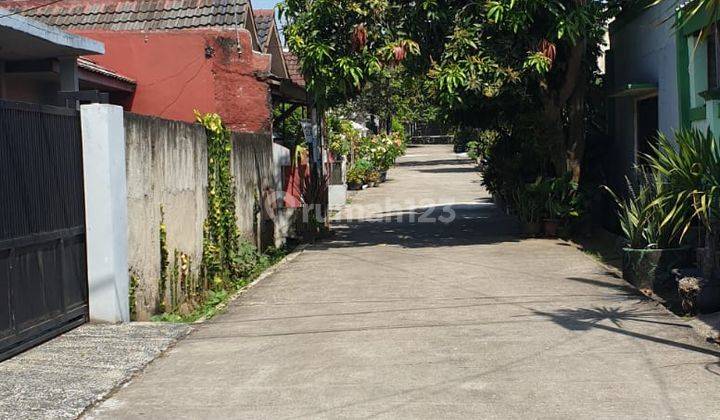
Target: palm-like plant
<point>648,221</point>
<point>691,165</point>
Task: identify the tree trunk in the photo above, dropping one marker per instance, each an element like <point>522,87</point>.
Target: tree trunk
<point>575,146</point>
<point>567,147</point>
<point>553,128</point>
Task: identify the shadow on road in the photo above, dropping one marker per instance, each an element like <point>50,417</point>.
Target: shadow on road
<point>584,319</point>
<point>435,162</point>
<point>434,226</point>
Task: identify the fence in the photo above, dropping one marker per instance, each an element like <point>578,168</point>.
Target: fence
<point>43,272</point>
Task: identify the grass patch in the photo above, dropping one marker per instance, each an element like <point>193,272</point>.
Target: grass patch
<point>214,301</point>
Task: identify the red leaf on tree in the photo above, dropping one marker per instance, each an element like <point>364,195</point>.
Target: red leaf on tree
<point>359,37</point>
<point>399,53</point>
<point>548,49</point>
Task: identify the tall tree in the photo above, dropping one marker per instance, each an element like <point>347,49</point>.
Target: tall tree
<point>499,56</point>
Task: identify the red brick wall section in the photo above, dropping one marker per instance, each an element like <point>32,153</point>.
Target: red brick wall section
<point>241,98</point>
<point>174,76</point>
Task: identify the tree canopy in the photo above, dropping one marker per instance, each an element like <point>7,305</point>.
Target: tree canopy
<point>481,61</point>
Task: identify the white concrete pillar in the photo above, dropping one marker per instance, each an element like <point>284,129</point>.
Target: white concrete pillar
<point>106,212</point>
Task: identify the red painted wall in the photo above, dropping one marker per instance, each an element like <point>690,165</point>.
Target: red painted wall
<point>174,76</point>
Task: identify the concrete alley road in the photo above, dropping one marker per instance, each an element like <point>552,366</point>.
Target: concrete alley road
<point>418,319</point>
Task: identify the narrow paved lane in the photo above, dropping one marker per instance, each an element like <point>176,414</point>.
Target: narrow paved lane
<point>403,316</point>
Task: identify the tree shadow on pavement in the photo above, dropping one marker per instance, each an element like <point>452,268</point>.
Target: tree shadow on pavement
<point>585,319</point>
<point>625,288</point>
<point>453,170</point>
<point>435,162</point>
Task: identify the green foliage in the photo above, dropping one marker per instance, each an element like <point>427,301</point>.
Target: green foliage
<point>473,151</point>
<point>133,296</point>
<point>359,171</point>
<point>344,44</point>
<point>381,150</point>
<point>222,256</point>
<point>562,198</point>
<point>290,129</point>
<point>213,300</point>
<point>646,218</point>
<point>397,127</point>
<point>692,170</point>
<point>512,157</point>
<point>526,201</point>
<point>691,166</point>
<point>463,136</point>
<point>479,64</point>
<point>342,136</point>
<point>164,263</point>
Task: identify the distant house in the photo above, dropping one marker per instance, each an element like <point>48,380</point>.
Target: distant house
<point>182,55</point>
<point>269,39</point>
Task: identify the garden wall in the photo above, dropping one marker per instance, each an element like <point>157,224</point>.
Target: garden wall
<point>253,170</point>
<point>167,182</point>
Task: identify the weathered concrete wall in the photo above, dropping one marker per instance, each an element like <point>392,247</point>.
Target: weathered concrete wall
<point>253,170</point>
<point>166,167</point>
<point>284,216</point>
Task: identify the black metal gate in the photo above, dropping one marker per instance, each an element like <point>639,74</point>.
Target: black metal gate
<point>43,271</point>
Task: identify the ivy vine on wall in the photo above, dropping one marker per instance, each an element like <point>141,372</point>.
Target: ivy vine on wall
<point>221,242</point>
<point>228,260</point>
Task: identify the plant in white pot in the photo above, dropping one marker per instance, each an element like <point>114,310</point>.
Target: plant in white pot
<point>653,230</point>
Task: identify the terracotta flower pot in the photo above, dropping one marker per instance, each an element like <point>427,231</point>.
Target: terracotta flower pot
<point>550,227</point>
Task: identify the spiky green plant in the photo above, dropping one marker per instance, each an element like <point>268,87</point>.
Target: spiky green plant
<point>646,218</point>
<point>691,165</point>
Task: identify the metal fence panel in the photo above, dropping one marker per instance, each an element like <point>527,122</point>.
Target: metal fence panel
<point>43,272</point>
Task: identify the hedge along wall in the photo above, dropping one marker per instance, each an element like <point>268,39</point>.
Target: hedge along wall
<point>167,186</point>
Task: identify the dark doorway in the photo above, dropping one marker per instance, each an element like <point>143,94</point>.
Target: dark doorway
<point>647,125</point>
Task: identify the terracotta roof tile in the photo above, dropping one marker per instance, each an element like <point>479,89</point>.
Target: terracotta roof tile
<point>293,66</point>
<point>142,15</point>
<point>264,22</point>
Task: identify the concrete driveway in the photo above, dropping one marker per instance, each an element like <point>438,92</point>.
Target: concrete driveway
<point>409,317</point>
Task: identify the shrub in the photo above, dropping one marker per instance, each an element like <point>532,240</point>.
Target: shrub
<point>646,218</point>
<point>342,136</point>
<point>359,171</point>
<point>691,167</point>
<point>462,136</point>
<point>381,150</point>
<point>473,149</point>
<point>561,197</point>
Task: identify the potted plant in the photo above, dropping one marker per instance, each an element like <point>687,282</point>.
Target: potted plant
<point>357,174</point>
<point>691,165</point>
<point>373,178</point>
<point>562,203</point>
<point>528,208</point>
<point>653,230</point>
<point>314,193</point>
